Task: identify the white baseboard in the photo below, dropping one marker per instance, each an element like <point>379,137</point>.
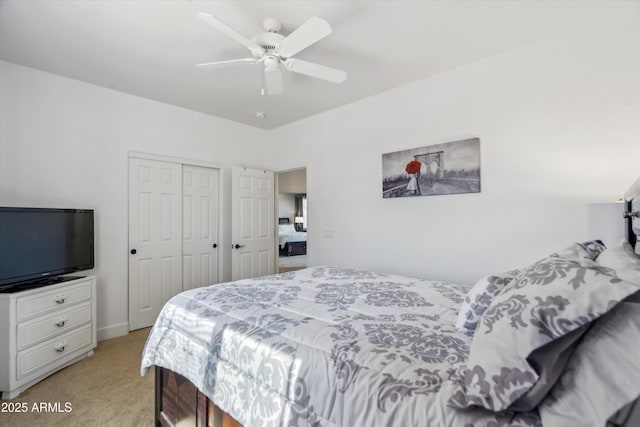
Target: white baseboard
<point>113,331</point>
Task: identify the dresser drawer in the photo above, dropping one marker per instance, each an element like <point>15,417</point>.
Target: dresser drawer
<point>30,306</point>
<point>43,328</point>
<point>52,353</point>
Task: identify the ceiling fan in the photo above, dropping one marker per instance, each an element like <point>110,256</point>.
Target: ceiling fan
<point>272,50</point>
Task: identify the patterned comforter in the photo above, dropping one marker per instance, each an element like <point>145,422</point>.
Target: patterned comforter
<point>322,346</point>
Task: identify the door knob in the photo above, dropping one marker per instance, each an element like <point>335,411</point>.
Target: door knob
<point>237,246</point>
<point>133,251</point>
<point>215,245</point>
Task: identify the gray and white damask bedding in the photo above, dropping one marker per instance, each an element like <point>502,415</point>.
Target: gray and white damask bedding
<point>324,347</point>
<point>555,343</point>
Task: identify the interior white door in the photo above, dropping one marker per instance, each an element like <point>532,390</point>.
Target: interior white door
<point>252,225</point>
<point>155,238</point>
<point>200,226</point>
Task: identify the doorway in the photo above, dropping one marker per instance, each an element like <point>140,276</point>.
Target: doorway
<point>292,220</point>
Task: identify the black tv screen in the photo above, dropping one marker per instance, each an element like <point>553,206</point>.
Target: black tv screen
<point>37,242</point>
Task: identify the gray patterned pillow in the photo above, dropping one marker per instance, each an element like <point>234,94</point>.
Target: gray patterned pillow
<point>602,375</point>
<point>479,298</point>
<point>623,260</point>
<point>593,248</point>
<point>547,301</point>
<point>486,289</point>
<point>585,250</point>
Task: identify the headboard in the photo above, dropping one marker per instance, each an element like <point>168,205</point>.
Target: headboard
<point>629,415</point>
<point>632,213</point>
<point>283,220</point>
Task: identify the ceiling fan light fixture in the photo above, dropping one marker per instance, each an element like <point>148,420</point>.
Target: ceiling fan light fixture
<point>270,62</point>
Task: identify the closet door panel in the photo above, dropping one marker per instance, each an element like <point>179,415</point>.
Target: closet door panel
<point>200,226</point>
<point>155,238</point>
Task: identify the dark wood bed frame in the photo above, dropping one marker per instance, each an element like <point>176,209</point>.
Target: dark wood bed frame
<point>179,401</point>
<point>629,214</point>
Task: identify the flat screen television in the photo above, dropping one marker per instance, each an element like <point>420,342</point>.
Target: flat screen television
<point>40,243</point>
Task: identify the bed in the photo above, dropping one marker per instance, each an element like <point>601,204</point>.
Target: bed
<point>328,346</point>
<point>291,241</point>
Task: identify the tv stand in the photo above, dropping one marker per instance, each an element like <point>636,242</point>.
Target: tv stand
<point>45,329</point>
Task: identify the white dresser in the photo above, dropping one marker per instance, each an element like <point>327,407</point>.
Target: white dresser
<point>43,330</point>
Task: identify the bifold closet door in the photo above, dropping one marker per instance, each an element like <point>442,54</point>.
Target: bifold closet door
<point>200,226</point>
<point>155,238</point>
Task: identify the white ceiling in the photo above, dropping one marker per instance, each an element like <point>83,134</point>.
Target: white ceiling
<point>150,48</point>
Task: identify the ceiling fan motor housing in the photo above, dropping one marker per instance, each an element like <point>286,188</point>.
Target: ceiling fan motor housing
<point>270,42</point>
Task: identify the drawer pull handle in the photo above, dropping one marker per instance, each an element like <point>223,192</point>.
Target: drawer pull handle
<point>60,349</point>
<point>61,323</point>
<point>60,300</point>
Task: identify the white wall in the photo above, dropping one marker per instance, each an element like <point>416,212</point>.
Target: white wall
<point>64,143</point>
<point>558,128</point>
<point>293,181</point>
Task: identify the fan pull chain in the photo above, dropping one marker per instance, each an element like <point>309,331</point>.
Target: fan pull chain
<point>262,74</point>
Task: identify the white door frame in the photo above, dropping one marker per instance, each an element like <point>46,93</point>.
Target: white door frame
<point>183,161</point>
<point>276,207</point>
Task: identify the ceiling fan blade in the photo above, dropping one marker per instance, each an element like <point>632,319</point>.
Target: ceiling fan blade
<point>305,35</point>
<point>273,80</point>
<point>231,61</point>
<point>315,70</point>
<point>229,32</point>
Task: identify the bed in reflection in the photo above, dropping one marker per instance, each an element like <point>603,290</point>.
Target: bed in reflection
<point>291,242</point>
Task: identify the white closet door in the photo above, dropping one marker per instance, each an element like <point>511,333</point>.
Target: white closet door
<point>155,238</point>
<point>200,226</point>
<point>252,228</point>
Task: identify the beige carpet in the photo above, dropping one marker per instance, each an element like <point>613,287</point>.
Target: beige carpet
<point>103,390</point>
<point>293,261</point>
